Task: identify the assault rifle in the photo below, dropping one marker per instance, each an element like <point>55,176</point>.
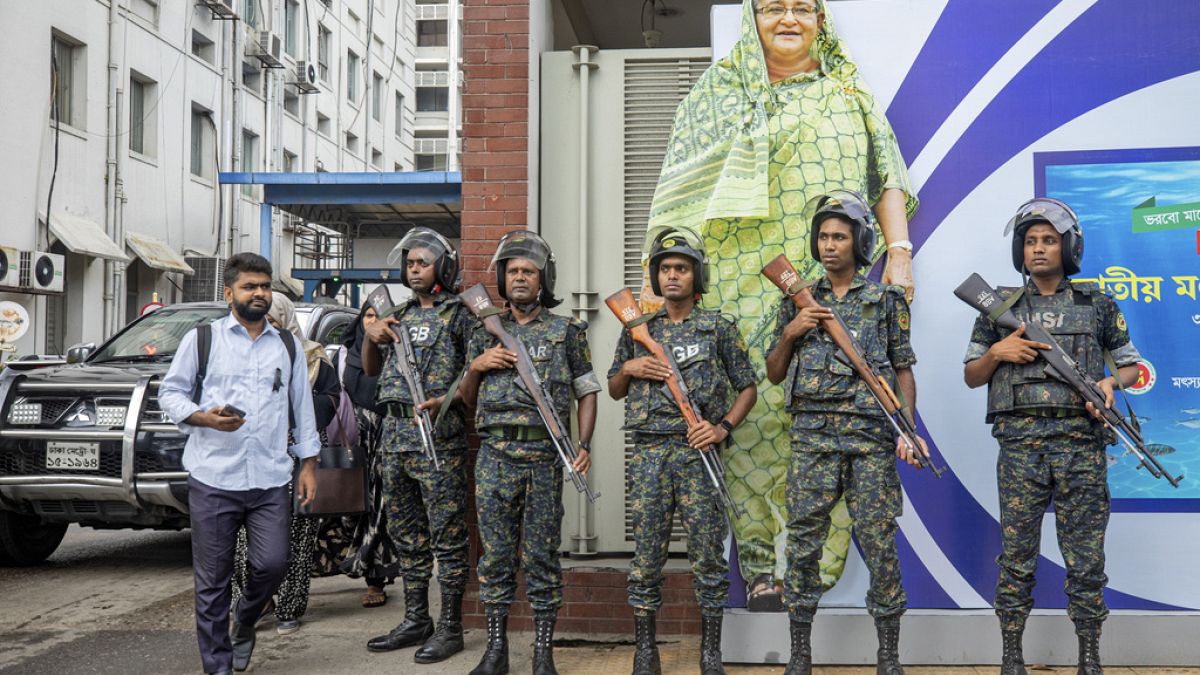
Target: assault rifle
<point>979,294</point>
<point>406,368</point>
<point>624,305</point>
<point>477,300</point>
<point>783,275</point>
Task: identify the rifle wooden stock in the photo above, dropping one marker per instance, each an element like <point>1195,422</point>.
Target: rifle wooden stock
<point>625,306</point>
<point>781,273</point>
<point>406,366</point>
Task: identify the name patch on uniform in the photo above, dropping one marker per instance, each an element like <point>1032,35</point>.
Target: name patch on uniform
<point>418,334</point>
<point>538,351</point>
<point>1050,319</point>
<point>685,352</point>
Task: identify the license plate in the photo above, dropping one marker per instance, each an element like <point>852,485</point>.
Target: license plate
<point>73,456</point>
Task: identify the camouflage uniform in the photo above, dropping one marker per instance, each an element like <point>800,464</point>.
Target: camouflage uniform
<point>843,445</point>
<point>518,480</point>
<point>1051,449</point>
<point>665,471</point>
<point>427,508</point>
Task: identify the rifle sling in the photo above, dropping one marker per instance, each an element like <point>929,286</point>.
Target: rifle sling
<point>1006,305</point>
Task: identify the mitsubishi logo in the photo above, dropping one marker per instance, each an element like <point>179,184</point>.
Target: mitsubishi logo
<point>83,415</point>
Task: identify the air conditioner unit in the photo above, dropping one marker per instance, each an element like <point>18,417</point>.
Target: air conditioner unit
<point>42,272</point>
<point>221,9</point>
<point>268,49</point>
<point>10,268</point>
<point>305,77</point>
<point>208,283</point>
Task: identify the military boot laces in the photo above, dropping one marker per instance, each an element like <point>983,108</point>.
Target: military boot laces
<point>416,628</point>
<point>1013,660</point>
<point>710,646</point>
<point>495,656</point>
<point>543,644</point>
<point>800,662</point>
<point>1089,649</point>
<point>888,657</point>
<point>447,639</point>
<point>645,658</point>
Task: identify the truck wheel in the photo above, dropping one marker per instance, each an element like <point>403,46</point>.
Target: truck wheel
<point>26,540</point>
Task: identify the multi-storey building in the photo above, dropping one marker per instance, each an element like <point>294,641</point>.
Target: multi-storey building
<point>123,113</point>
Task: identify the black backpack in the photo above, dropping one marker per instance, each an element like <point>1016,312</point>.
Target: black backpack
<point>204,348</point>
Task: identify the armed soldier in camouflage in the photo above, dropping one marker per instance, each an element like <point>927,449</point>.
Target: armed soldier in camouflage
<point>518,476</point>
<point>1051,448</point>
<point>667,469</point>
<point>842,443</point>
<point>426,507</point>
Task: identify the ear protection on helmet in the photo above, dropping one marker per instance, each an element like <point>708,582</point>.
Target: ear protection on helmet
<point>851,207</point>
<point>445,261</point>
<point>1058,215</point>
<point>530,246</point>
<point>679,242</point>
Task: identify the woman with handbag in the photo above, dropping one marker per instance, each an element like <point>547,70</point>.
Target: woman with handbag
<point>291,600</point>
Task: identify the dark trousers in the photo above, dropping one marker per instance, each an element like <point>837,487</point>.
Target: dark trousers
<point>216,516</point>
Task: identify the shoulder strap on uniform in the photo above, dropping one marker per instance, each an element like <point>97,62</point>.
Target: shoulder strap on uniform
<point>289,343</point>
<point>203,347</point>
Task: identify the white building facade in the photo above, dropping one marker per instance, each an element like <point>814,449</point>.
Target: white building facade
<point>121,114</point>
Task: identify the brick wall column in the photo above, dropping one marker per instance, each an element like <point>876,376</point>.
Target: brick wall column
<point>495,129</point>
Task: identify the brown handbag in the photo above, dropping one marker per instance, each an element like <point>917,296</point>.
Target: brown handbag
<point>341,483</point>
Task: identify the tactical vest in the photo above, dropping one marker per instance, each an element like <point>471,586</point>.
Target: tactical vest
<point>650,408</point>
<point>819,382</point>
<point>503,400</point>
<point>1073,321</point>
<point>440,359</point>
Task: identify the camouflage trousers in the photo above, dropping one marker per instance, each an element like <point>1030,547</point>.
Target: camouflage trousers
<point>427,516</point>
<point>835,456</point>
<point>1032,473</point>
<point>667,475</point>
<point>518,497</point>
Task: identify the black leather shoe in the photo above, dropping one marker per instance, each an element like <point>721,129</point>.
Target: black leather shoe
<point>243,646</point>
<point>645,658</point>
<point>495,656</point>
<point>447,639</point>
<point>416,628</point>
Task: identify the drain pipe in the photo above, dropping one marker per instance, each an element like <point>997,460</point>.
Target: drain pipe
<point>583,296</point>
<point>110,167</point>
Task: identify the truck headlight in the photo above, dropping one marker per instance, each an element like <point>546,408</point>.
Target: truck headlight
<point>25,412</point>
<point>110,415</point>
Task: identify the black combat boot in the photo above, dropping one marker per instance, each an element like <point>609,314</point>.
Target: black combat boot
<point>1013,662</point>
<point>417,626</point>
<point>710,645</point>
<point>543,643</point>
<point>888,657</point>
<point>800,662</point>
<point>1089,648</point>
<point>447,639</point>
<point>495,656</point>
<point>645,659</point>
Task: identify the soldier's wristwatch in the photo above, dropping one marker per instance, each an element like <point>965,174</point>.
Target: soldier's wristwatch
<point>726,425</point>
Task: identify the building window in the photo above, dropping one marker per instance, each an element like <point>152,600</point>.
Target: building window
<point>433,99</point>
<point>290,161</point>
<point>249,158</point>
<point>323,124</point>
<point>377,97</point>
<point>67,59</point>
<point>324,35</point>
<point>291,102</point>
<point>202,143</point>
<point>291,10</point>
<point>147,9</point>
<point>351,143</point>
<point>252,77</point>
<point>250,13</point>
<point>431,33</point>
<point>202,46</point>
<point>352,77</point>
<point>377,158</point>
<point>399,121</point>
<point>142,117</point>
<point>431,162</point>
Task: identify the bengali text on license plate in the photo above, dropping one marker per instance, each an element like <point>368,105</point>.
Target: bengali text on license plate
<point>80,456</point>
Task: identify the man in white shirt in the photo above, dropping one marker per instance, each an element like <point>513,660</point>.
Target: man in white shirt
<point>235,410</point>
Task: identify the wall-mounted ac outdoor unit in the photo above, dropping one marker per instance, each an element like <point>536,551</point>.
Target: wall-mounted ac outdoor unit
<point>42,272</point>
<point>10,268</point>
<point>305,77</point>
<point>267,48</point>
<point>207,284</point>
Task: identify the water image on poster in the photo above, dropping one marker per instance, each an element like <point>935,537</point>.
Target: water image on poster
<point>1140,211</point>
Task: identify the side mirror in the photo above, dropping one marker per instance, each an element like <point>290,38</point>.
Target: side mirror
<point>79,353</point>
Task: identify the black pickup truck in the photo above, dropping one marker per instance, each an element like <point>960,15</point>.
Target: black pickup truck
<point>85,442</point>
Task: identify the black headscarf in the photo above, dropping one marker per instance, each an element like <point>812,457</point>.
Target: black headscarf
<point>360,387</point>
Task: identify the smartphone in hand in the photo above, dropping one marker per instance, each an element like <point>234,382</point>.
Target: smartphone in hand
<point>232,411</point>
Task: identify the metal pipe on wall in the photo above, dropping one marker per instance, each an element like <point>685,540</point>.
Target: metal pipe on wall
<point>110,163</point>
<point>583,296</point>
